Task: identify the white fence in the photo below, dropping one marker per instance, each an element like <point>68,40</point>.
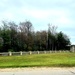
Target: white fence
<point>30,52</point>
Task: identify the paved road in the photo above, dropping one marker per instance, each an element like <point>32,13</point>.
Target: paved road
<point>42,72</point>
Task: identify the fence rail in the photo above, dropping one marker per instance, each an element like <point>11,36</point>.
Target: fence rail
<point>30,52</point>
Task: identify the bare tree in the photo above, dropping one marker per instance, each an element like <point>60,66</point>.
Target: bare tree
<point>26,29</point>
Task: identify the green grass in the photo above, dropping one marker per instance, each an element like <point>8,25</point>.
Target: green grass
<point>41,60</point>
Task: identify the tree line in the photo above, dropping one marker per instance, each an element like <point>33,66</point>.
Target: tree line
<point>22,37</point>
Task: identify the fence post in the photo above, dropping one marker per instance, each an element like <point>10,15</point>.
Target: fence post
<point>10,53</point>
<point>64,51</point>
<point>55,51</point>
<point>20,52</point>
<point>60,51</point>
<point>30,52</point>
<point>50,51</point>
<point>38,52</point>
<point>45,52</point>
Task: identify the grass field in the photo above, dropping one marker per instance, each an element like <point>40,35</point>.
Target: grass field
<point>39,60</point>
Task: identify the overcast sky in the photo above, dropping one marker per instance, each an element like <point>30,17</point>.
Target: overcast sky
<point>41,12</point>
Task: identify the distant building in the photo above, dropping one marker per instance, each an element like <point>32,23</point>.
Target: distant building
<point>72,48</point>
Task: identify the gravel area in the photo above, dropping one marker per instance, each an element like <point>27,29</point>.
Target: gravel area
<point>34,69</point>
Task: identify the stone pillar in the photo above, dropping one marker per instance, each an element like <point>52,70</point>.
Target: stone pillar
<point>45,52</point>
<point>38,52</point>
<point>20,52</point>
<point>50,51</point>
<point>72,49</point>
<point>55,51</point>
<point>10,53</point>
<point>30,52</point>
<point>60,51</point>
